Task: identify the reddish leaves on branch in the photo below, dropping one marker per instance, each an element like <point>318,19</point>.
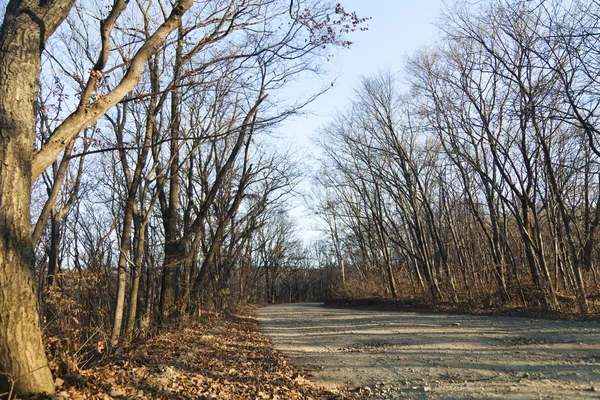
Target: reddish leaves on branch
<point>330,29</point>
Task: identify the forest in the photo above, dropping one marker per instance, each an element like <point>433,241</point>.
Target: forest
<point>142,186</point>
<point>476,179</point>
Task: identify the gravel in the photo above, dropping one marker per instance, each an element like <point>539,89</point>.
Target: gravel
<point>391,355</point>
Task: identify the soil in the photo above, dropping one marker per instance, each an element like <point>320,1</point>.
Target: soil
<point>389,355</point>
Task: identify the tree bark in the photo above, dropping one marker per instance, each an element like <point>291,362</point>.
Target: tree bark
<point>122,270</point>
<point>54,248</point>
<point>26,27</point>
<point>136,271</point>
<point>170,223</point>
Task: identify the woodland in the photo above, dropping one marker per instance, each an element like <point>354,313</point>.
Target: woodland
<point>143,197</point>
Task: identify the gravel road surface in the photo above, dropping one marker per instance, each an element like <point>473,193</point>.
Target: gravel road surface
<point>422,356</point>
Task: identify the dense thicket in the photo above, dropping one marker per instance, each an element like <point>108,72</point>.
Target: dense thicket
<point>478,179</point>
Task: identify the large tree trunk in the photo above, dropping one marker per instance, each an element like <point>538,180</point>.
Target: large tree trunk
<point>171,226</point>
<point>22,356</point>
<point>26,26</point>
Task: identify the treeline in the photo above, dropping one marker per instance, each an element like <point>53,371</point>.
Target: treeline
<point>477,179</point>
<point>139,132</point>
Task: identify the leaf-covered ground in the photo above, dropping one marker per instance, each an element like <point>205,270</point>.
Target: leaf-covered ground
<point>226,358</point>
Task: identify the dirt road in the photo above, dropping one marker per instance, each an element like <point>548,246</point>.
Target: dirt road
<point>410,355</point>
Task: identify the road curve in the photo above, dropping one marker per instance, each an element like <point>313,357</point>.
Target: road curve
<point>410,355</point>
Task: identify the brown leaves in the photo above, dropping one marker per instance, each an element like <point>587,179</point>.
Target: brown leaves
<point>218,359</point>
<point>330,28</point>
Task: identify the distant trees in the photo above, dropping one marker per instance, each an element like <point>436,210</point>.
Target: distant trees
<point>482,178</point>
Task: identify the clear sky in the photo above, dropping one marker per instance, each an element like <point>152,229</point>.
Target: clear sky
<point>397,29</point>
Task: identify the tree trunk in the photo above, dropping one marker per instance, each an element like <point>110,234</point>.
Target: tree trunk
<point>149,298</point>
<point>171,226</point>
<point>136,271</point>
<point>26,27</point>
<point>54,248</point>
<point>22,357</point>
<point>122,268</point>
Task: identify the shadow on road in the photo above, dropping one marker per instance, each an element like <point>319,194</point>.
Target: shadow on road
<point>415,355</point>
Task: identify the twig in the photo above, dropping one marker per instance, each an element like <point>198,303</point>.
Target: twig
<point>12,384</point>
<point>482,379</point>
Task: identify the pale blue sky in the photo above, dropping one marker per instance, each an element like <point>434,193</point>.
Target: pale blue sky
<point>397,29</point>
